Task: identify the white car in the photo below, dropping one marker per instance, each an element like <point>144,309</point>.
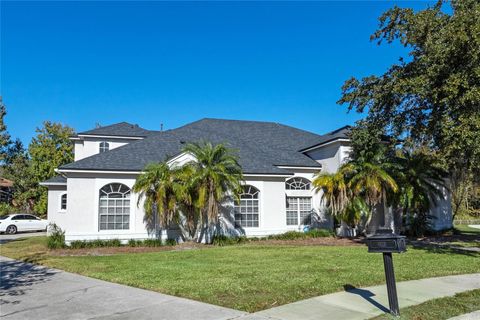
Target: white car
<point>19,222</point>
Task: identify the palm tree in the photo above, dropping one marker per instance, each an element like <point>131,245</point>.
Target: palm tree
<point>339,197</point>
<point>187,196</point>
<point>216,175</point>
<point>157,185</point>
<point>421,182</point>
<point>373,182</point>
<point>335,191</point>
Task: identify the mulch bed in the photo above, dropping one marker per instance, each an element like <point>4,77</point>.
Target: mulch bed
<point>103,251</point>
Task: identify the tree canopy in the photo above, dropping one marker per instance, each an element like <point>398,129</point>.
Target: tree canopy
<point>430,98</point>
<point>433,95</point>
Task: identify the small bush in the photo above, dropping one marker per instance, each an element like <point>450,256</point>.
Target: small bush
<point>135,243</point>
<point>113,243</point>
<point>152,242</point>
<point>223,240</point>
<point>78,244</point>
<point>290,235</point>
<point>319,233</point>
<point>98,243</point>
<point>170,242</point>
<point>56,237</point>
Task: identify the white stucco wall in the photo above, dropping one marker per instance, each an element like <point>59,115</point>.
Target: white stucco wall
<point>89,146</point>
<point>54,213</point>
<point>331,155</point>
<point>80,221</point>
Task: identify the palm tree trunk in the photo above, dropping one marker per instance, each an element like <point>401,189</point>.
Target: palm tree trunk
<point>388,212</point>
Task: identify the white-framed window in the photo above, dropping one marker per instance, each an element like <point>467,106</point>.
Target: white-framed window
<point>298,183</point>
<point>247,209</point>
<point>114,207</point>
<point>63,202</point>
<point>104,146</point>
<point>299,210</point>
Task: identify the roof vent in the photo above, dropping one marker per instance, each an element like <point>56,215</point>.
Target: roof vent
<point>182,141</point>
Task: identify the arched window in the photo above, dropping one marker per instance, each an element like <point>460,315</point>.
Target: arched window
<point>297,183</point>
<point>247,209</point>
<point>114,207</point>
<point>63,202</point>
<point>104,146</point>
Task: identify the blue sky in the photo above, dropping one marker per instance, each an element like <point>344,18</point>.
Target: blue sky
<point>148,63</point>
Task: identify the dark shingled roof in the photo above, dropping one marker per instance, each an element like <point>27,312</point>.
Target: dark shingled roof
<point>119,129</point>
<point>55,180</point>
<point>261,146</point>
<point>340,133</point>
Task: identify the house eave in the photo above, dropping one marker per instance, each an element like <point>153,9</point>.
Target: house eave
<point>106,136</point>
<point>323,144</point>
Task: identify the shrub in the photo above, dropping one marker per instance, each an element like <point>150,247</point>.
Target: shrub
<point>78,244</point>
<point>152,242</point>
<point>135,243</point>
<point>56,237</point>
<point>290,235</point>
<point>113,243</point>
<point>319,233</point>
<point>170,242</point>
<point>98,243</point>
<point>223,240</point>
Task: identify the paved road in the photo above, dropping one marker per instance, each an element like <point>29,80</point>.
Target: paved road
<point>9,237</point>
<point>33,292</point>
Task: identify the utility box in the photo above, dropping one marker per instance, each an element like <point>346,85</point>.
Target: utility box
<point>385,241</point>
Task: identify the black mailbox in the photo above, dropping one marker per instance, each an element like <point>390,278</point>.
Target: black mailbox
<point>384,240</point>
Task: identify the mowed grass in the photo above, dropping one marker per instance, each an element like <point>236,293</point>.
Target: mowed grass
<point>440,309</point>
<point>250,277</point>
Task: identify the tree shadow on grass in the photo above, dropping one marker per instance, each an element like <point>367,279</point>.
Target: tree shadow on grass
<point>445,249</point>
<point>367,295</point>
<point>16,278</point>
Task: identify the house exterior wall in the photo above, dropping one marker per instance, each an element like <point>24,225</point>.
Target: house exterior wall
<point>90,146</point>
<point>81,219</point>
<point>331,155</point>
<point>54,213</point>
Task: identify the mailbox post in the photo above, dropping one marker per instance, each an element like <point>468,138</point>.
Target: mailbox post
<point>386,242</point>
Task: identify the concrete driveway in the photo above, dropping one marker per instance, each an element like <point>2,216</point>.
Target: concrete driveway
<point>4,238</point>
<point>29,291</point>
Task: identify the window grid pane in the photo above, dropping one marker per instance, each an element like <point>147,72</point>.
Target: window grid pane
<point>299,210</point>
<point>297,183</point>
<point>247,209</point>
<point>114,207</point>
<point>63,202</point>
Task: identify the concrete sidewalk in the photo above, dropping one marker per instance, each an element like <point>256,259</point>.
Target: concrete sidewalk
<point>469,316</point>
<point>29,291</point>
<point>368,302</point>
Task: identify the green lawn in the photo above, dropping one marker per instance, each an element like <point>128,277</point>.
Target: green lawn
<point>250,277</point>
<point>440,309</point>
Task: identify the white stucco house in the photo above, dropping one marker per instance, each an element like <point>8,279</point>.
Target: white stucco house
<point>91,198</point>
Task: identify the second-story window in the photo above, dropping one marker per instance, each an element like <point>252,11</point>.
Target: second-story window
<point>104,146</point>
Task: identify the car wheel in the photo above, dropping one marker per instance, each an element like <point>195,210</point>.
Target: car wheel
<point>11,229</point>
